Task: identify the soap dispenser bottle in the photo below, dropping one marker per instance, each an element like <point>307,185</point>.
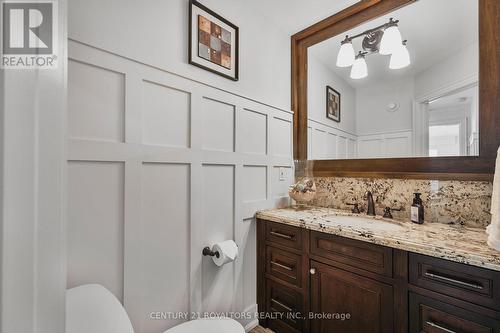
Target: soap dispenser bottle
<point>417,209</point>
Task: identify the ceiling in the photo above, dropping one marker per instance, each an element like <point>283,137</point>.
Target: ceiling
<point>292,16</point>
<point>462,97</point>
<point>435,29</point>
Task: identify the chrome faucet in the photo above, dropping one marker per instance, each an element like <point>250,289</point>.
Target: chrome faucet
<point>371,205</point>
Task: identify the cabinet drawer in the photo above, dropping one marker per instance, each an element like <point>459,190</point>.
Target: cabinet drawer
<point>284,265</point>
<point>284,235</point>
<point>469,283</point>
<point>370,257</point>
<point>430,316</point>
<point>284,307</point>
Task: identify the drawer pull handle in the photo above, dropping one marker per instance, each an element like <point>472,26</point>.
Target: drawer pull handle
<point>287,308</point>
<point>439,327</point>
<point>288,268</point>
<point>447,279</point>
<point>278,234</point>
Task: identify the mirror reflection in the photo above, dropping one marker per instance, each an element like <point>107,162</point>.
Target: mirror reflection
<point>398,86</point>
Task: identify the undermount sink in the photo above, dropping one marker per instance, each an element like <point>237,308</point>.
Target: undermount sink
<point>364,222</point>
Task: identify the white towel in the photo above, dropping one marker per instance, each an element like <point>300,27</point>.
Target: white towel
<point>493,230</point>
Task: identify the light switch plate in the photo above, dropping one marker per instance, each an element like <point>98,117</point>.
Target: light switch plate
<point>282,174</point>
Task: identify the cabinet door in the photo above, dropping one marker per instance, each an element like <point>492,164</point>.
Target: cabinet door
<point>348,302</point>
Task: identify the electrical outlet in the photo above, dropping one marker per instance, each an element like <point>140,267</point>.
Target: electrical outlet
<point>282,174</point>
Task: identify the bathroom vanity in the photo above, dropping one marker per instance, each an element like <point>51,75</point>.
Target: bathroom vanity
<point>354,273</point>
<point>323,270</point>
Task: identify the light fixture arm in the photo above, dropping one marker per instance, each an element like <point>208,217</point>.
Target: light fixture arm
<point>361,54</point>
<point>391,23</point>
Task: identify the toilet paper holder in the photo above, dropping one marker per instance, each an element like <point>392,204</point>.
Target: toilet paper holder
<point>208,252</point>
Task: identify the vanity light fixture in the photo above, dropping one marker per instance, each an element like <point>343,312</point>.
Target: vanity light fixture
<point>400,58</point>
<point>346,55</point>
<point>384,39</point>
<point>359,69</point>
<point>391,39</point>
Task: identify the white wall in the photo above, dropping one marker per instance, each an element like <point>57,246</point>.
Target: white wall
<point>319,76</point>
<point>460,67</point>
<point>326,142</point>
<point>371,107</point>
<point>382,133</point>
<point>32,223</point>
<point>366,129</point>
<point>161,165</point>
<point>329,139</point>
<point>385,145</point>
<point>155,32</point>
<point>376,131</point>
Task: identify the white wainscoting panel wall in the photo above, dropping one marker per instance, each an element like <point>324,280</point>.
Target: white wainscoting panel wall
<point>386,145</point>
<point>327,142</point>
<point>160,166</point>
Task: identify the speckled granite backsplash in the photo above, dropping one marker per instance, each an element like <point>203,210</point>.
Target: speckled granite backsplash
<point>453,202</point>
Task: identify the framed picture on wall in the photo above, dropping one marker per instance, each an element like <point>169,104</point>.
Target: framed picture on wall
<point>213,41</point>
<point>332,104</point>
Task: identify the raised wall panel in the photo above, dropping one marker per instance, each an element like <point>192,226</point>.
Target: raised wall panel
<point>254,183</point>
<point>281,137</point>
<point>218,125</point>
<point>319,144</point>
<point>370,148</point>
<point>388,145</point>
<point>165,115</point>
<point>331,146</point>
<point>252,134</point>
<point>342,147</point>
<point>398,145</point>
<point>95,225</point>
<point>165,221</point>
<point>218,225</point>
<point>351,148</point>
<point>96,103</point>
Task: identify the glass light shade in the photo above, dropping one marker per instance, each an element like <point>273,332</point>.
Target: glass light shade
<point>359,69</point>
<point>345,58</point>
<point>391,40</point>
<point>400,58</point>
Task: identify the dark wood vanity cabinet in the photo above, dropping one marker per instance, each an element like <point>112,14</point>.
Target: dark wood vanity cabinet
<point>310,281</point>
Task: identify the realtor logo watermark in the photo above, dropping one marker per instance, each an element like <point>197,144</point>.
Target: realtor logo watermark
<point>29,38</point>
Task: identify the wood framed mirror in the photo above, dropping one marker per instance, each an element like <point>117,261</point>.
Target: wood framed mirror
<point>365,13</point>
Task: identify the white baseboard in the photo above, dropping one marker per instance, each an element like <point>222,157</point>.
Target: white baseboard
<point>251,323</point>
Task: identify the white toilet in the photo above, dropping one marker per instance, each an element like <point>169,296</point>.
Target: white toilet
<point>92,308</point>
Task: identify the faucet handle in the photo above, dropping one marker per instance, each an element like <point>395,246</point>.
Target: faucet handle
<point>388,212</point>
<point>355,209</point>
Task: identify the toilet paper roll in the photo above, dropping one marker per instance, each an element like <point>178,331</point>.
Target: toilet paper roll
<point>228,251</point>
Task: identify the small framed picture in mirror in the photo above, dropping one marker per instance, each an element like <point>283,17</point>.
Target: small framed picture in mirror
<point>332,104</point>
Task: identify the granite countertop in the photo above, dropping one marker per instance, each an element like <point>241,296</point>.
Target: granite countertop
<point>452,242</point>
